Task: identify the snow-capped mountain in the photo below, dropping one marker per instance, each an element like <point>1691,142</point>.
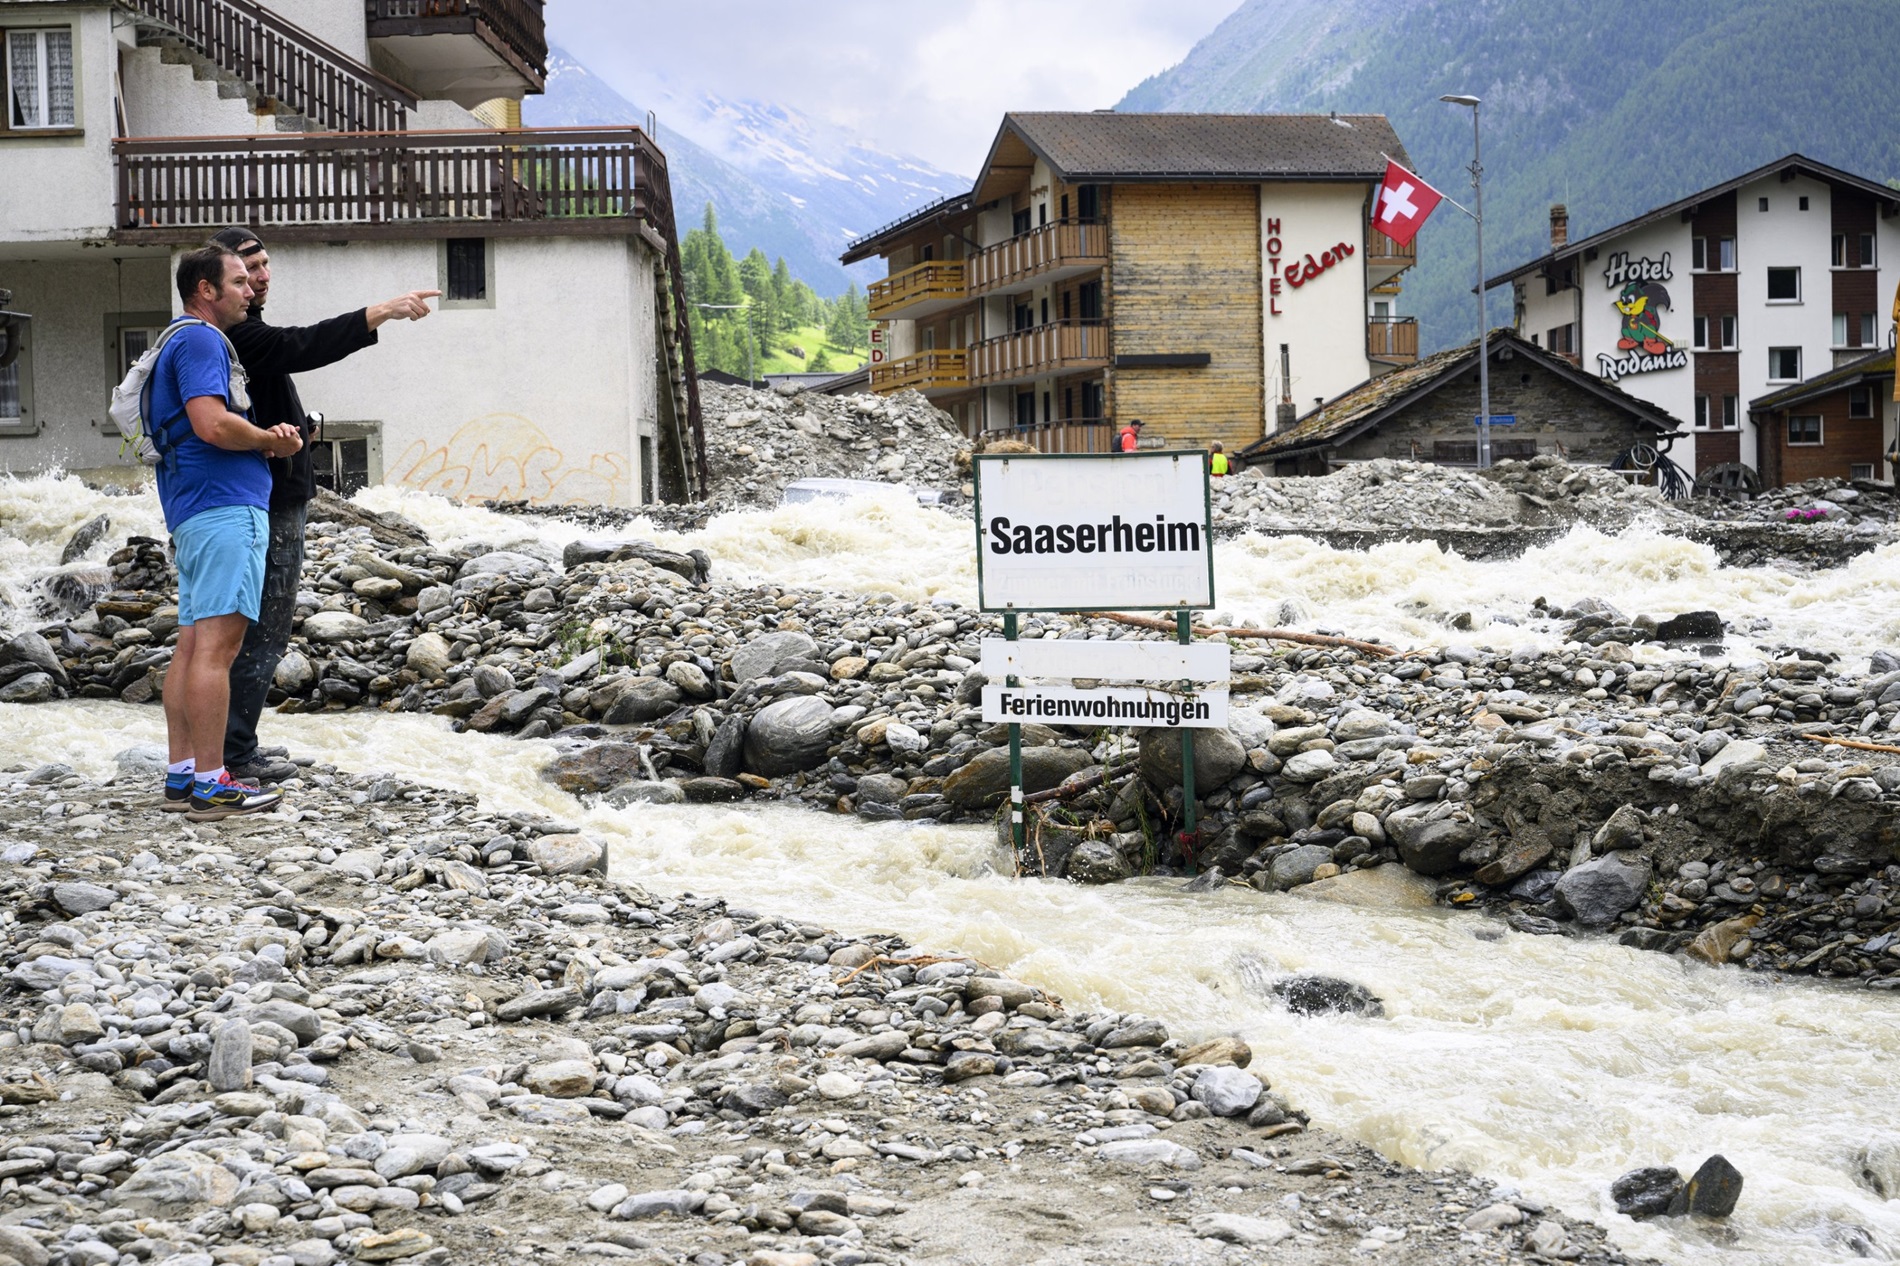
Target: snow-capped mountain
<point>780,181</point>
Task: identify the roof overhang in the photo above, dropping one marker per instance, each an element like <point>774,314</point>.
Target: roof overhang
<point>1786,167</point>
<point>1874,367</point>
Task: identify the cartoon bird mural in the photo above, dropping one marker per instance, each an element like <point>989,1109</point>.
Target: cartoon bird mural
<point>1640,303</point>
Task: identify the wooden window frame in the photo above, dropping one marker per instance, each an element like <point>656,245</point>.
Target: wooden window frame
<point>1820,431</point>
<point>7,129</point>
<point>1774,355</point>
<point>446,304</point>
<point>1864,408</point>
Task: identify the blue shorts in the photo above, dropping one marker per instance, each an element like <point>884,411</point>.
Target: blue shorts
<point>220,557</point>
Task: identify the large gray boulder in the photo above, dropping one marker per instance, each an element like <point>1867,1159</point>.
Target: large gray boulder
<point>788,736</point>
<point>725,754</point>
<point>762,656</point>
<point>1218,756</point>
<point>984,782</point>
<point>1596,891</point>
<point>1296,866</point>
<point>31,652</point>
<point>642,699</point>
<point>1428,836</point>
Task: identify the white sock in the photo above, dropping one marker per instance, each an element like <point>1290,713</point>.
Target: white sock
<point>204,776</point>
<point>184,766</point>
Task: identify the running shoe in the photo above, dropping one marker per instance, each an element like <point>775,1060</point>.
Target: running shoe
<point>177,793</point>
<point>230,799</point>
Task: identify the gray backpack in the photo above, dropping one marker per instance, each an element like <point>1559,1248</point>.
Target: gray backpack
<point>138,433</point>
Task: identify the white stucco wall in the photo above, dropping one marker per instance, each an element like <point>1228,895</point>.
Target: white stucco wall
<point>1783,236</point>
<point>338,23</point>
<point>70,358</point>
<point>1322,321</point>
<point>536,396</point>
<point>1545,312</point>
<point>166,99</point>
<point>59,188</point>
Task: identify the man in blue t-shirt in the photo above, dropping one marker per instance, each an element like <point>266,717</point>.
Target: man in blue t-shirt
<point>214,485</point>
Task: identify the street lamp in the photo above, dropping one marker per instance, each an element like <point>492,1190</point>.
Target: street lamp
<point>1484,325</point>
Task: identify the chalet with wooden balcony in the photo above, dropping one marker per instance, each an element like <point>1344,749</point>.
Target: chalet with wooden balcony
<point>1195,271</point>
<point>558,366</point>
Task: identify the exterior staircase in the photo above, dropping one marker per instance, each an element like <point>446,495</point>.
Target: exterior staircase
<point>276,66</point>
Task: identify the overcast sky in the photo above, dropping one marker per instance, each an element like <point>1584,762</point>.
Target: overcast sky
<point>927,80</point>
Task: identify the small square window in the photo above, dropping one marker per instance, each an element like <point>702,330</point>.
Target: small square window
<point>468,270</point>
<point>1866,250</point>
<point>1761,204</point>
<point>1784,364</point>
<point>1860,401</point>
<point>1784,285</point>
<point>1804,202</point>
<point>1861,470</point>
<point>1726,249</point>
<point>1804,429</point>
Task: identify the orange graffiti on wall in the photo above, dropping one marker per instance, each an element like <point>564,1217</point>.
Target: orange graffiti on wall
<point>506,457</point>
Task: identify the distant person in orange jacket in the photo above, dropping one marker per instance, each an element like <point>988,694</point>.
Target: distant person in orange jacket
<point>1217,462</point>
<point>1130,438</point>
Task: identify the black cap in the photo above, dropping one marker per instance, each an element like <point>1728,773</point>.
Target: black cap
<point>1136,422</point>
<point>237,238</point>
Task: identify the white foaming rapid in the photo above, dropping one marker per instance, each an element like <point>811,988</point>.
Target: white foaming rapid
<point>40,513</point>
<point>1406,592</point>
<point>1551,1063</point>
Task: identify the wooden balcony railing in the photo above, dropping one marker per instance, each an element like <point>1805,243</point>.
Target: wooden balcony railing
<point>284,62</point>
<point>1069,435</point>
<point>520,25</point>
<point>1057,347</point>
<point>1393,339</point>
<point>929,281</point>
<point>323,186</point>
<point>1381,249</point>
<point>945,369</point>
<point>386,180</point>
<point>1058,244</point>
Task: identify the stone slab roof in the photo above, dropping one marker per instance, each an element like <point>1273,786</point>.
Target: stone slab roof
<point>1350,414</point>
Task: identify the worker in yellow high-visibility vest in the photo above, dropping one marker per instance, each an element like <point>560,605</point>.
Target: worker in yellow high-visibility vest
<point>1217,463</point>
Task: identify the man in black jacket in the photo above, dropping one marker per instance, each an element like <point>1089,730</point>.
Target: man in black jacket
<point>271,354</point>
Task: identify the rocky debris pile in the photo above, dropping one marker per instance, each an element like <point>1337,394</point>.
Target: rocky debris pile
<point>386,1025</point>
<point>759,441</point>
<point>1859,506</point>
<point>1387,495</point>
<point>1494,773</point>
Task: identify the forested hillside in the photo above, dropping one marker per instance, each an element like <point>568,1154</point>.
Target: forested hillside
<point>750,316</point>
<point>1607,108</point>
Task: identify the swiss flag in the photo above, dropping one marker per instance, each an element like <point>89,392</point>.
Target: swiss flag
<point>1403,203</point>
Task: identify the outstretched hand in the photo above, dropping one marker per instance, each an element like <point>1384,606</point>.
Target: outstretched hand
<point>410,307</point>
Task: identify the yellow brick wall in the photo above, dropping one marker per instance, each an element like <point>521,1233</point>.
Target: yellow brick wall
<point>1186,278</point>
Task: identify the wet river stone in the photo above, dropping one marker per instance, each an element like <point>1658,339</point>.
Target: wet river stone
<point>984,782</point>
<point>1218,756</point>
<point>789,735</point>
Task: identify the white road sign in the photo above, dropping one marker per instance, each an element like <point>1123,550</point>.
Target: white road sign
<point>1081,533</point>
<point>1069,658</point>
<point>1129,706</point>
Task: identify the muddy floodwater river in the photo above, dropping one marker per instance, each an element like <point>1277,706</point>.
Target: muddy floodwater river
<point>1554,1063</point>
